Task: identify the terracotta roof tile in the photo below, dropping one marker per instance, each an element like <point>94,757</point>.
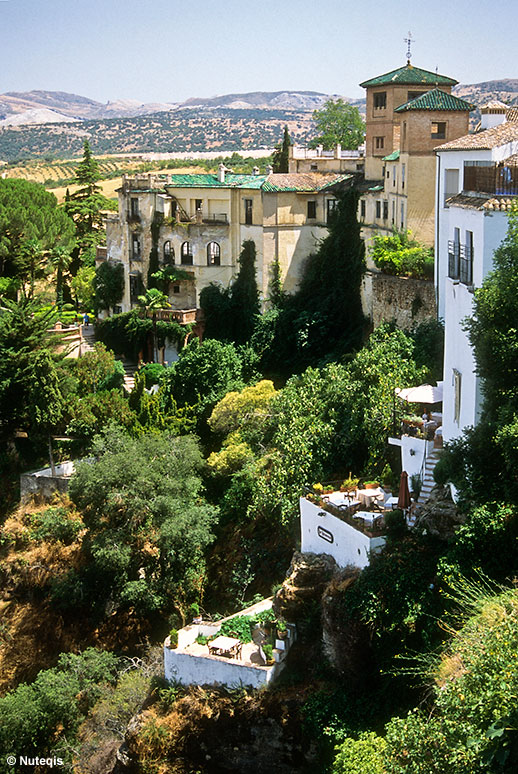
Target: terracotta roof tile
<point>486,140</point>
<point>303,181</point>
<point>483,202</point>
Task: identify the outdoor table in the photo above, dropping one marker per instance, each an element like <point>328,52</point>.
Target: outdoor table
<point>342,498</point>
<point>368,516</point>
<point>368,496</point>
<point>224,646</point>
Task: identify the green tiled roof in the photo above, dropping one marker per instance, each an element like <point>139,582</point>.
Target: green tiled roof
<point>435,100</point>
<point>303,182</point>
<point>211,181</point>
<point>409,75</point>
<point>392,156</point>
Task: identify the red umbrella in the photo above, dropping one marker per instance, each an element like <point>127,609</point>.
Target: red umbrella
<point>403,500</point>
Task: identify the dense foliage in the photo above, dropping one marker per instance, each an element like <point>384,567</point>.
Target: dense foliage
<point>338,122</point>
<point>403,256</point>
<point>148,525</point>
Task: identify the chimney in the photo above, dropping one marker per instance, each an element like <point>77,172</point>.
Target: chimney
<point>221,173</point>
<point>492,114</point>
<point>269,169</point>
<point>255,171</point>
<point>338,151</point>
<point>199,215</point>
<point>320,148</point>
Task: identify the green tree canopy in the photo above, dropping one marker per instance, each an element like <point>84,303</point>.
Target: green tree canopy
<point>338,122</point>
<point>148,523</point>
<point>108,285</point>
<point>30,220</point>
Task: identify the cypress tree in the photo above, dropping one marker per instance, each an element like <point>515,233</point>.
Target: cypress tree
<point>245,295</point>
<point>280,158</point>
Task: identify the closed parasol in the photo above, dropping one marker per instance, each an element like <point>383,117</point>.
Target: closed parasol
<point>403,500</point>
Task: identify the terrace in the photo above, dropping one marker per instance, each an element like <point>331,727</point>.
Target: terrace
<point>247,648</point>
<point>497,179</point>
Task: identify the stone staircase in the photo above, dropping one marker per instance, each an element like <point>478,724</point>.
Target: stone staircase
<point>428,479</point>
<point>87,345</point>
<point>88,338</point>
<point>129,375</point>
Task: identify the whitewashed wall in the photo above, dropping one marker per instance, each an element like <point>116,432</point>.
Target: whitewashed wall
<point>203,670</point>
<point>323,533</point>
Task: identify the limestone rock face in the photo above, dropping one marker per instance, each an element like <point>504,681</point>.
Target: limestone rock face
<point>307,577</point>
<point>439,515</point>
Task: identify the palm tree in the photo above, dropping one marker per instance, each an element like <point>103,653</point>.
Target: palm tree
<point>153,301</point>
<point>60,258</point>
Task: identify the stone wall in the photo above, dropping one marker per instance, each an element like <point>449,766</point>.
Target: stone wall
<point>42,485</point>
<point>406,301</point>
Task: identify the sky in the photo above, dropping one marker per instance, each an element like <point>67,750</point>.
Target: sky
<point>168,51</point>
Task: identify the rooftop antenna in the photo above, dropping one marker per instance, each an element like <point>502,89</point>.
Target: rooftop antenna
<point>408,41</point>
<point>436,76</point>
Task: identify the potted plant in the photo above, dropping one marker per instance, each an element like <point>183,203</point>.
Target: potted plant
<point>349,484</point>
<point>282,629</point>
<point>268,653</point>
<point>371,484</point>
<point>318,488</point>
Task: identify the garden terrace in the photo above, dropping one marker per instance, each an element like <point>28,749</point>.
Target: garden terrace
<point>357,509</point>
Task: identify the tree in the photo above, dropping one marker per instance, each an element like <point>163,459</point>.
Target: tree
<point>31,226</point>
<point>338,122</point>
<point>85,205</point>
<point>82,286</point>
<point>152,302</point>
<point>401,255</point>
<point>30,391</point>
<point>147,522</point>
<point>230,313</point>
<point>281,154</point>
<point>108,285</point>
<point>60,259</point>
<point>245,295</point>
<point>203,374</point>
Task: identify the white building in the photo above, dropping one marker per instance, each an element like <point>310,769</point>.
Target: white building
<point>477,183</point>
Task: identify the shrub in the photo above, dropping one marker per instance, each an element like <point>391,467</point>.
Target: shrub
<point>364,755</point>
<point>401,255</point>
<point>55,525</point>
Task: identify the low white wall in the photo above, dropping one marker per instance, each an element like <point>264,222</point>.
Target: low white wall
<point>188,634</point>
<point>323,533</point>
<point>413,453</point>
<point>204,670</point>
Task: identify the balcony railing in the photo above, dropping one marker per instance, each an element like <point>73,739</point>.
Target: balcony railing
<point>493,180</point>
<point>453,260</point>
<point>182,316</point>
<point>466,264</point>
<point>217,218</point>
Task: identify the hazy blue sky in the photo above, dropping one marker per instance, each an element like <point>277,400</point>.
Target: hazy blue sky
<point>166,50</point>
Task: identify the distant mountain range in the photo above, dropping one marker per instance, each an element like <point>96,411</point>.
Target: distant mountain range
<point>55,124</point>
<point>40,107</point>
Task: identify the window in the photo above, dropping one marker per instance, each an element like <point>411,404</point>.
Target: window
<point>248,211</point>
<point>457,388</point>
<point>394,175</point>
<point>402,216</point>
<point>174,209</point>
<point>414,94</point>
<point>362,208</point>
<point>313,167</point>
<point>135,248</point>
<point>385,210</point>
<point>176,288</point>
<point>331,207</point>
<point>438,130</point>
<point>378,209</point>
<point>404,135</point>
<point>213,254</point>
<point>312,210</point>
<point>198,204</point>
<point>466,260</point>
<point>403,172</point>
<point>134,207</point>
<point>380,100</point>
<point>454,255</point>
<point>186,253</point>
<point>451,184</point>
<point>134,286</point>
<point>168,252</point>
<point>379,143</point>
<point>393,212</point>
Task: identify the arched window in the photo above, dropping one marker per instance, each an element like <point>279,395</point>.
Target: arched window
<point>213,253</point>
<point>168,253</point>
<point>186,253</point>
